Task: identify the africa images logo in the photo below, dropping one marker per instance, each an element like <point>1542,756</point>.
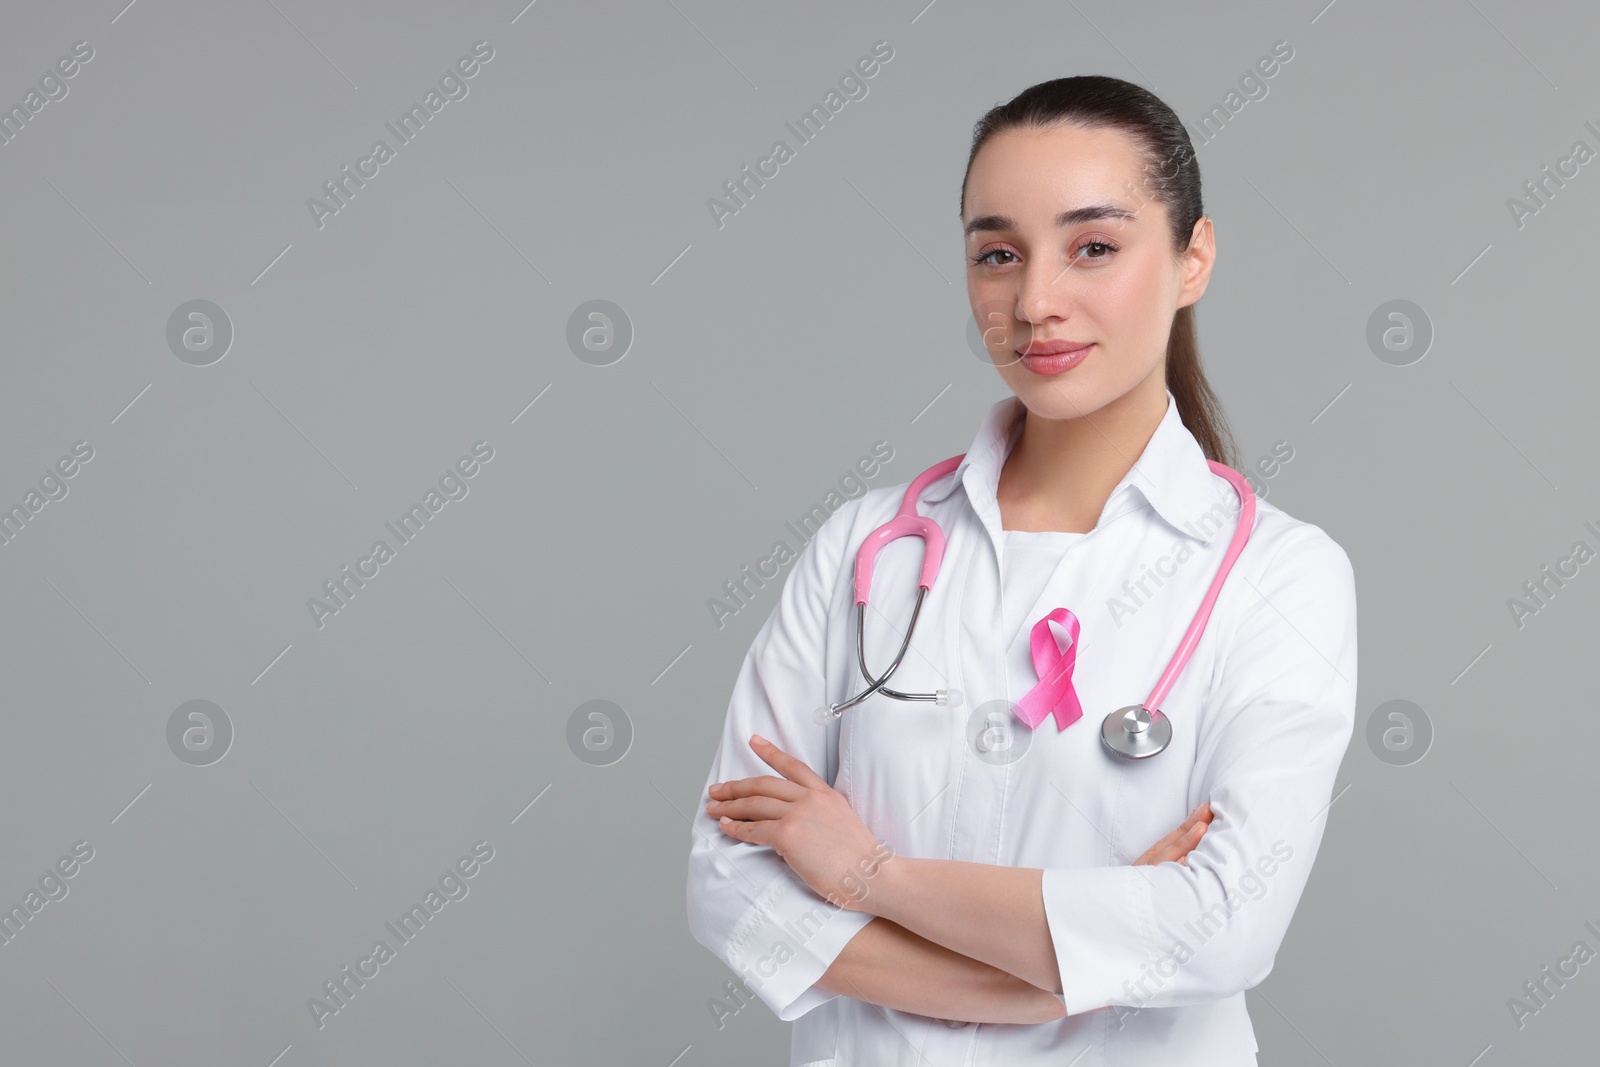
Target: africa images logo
<point>339,991</point>
<point>852,86</point>
<point>850,485</point>
<point>342,588</point>
<point>452,86</point>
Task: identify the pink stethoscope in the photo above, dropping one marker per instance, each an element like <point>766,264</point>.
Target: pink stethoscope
<point>1137,731</point>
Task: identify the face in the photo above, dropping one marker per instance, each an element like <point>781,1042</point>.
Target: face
<point>1107,278</point>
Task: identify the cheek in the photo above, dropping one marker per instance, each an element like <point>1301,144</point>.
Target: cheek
<point>1135,311</point>
<point>1130,302</point>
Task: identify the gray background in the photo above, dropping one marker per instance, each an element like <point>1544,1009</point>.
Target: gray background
<point>768,355</point>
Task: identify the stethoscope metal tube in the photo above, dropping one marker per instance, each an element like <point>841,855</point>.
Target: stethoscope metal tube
<point>942,697</point>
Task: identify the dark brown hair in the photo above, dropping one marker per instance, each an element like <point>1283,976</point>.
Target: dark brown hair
<point>1172,177</point>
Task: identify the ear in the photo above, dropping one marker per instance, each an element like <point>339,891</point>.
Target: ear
<point>1197,262</point>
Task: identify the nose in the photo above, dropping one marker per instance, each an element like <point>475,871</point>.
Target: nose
<point>1043,294</point>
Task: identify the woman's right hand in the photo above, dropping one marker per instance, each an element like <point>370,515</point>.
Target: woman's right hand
<point>1178,844</point>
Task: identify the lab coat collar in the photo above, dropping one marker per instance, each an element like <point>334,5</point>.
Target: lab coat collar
<point>1171,474</point>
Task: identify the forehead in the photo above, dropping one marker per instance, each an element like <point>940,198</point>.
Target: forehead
<point>1030,175</point>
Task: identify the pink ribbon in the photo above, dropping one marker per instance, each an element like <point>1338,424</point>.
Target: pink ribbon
<point>1054,693</point>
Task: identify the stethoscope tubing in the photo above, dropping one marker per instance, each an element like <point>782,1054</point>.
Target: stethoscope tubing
<point>1191,636</point>
<point>908,522</point>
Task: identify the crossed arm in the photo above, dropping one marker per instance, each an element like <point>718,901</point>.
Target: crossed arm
<point>950,939</point>
<point>887,964</point>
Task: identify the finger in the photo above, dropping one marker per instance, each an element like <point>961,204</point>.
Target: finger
<point>1178,831</point>
<point>1148,856</point>
<point>756,833</point>
<point>1191,841</point>
<point>749,809</point>
<point>789,766</point>
<point>1200,816</point>
<point>1167,841</point>
<point>1183,843</point>
<point>1190,838</point>
<point>767,785</point>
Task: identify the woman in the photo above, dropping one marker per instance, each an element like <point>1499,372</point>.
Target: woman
<point>925,884</point>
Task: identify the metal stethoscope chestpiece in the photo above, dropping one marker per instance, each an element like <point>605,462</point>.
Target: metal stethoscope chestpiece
<point>1135,733</point>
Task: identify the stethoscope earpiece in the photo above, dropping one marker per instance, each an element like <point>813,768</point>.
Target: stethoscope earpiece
<point>827,713</point>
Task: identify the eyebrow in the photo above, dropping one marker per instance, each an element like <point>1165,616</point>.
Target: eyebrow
<point>1073,217</point>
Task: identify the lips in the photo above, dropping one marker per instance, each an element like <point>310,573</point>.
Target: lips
<point>1051,348</point>
<point>1054,357</point>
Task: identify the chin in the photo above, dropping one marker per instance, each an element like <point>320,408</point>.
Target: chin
<point>1084,390</point>
<point>1058,404</point>
<point>1058,398</point>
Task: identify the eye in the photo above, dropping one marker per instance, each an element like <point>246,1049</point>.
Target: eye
<point>983,257</point>
<point>1105,247</point>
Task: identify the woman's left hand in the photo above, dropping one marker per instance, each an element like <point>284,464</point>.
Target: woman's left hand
<point>805,820</point>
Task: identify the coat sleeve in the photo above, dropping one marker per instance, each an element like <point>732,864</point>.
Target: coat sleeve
<point>745,904</point>
<point>1278,719</point>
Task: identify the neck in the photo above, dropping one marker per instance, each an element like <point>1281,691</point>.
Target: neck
<point>1061,472</point>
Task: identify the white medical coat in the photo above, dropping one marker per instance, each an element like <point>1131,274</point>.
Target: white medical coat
<point>1261,715</point>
